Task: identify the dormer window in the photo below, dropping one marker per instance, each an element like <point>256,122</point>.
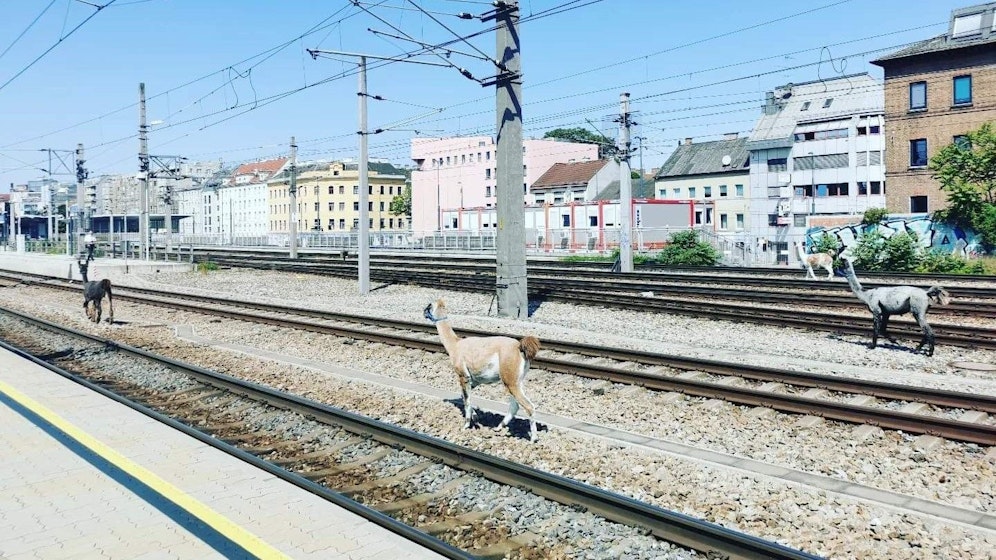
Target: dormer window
<point>826,104</point>
<point>805,106</point>
<point>969,24</point>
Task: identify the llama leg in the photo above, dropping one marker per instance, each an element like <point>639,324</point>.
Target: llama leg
<point>513,409</point>
<point>98,309</point>
<point>885,328</point>
<point>530,409</point>
<point>110,308</point>
<point>876,326</point>
<point>928,333</point>
<point>809,272</point>
<point>468,412</point>
<point>829,268</point>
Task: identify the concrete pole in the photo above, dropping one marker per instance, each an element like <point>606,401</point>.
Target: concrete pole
<point>292,221</point>
<point>168,199</point>
<point>625,188</point>
<point>510,239</point>
<point>143,174</point>
<point>363,239</point>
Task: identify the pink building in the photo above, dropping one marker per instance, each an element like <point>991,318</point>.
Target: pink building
<point>460,173</point>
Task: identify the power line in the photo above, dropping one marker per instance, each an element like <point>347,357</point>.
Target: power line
<point>26,29</point>
<point>56,44</point>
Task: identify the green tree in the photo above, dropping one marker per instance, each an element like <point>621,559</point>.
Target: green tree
<point>865,252</point>
<point>966,171</point>
<point>685,249</point>
<point>401,205</point>
<point>874,216</point>
<point>606,146</point>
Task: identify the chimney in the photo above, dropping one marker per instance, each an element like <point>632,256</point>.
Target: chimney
<point>770,107</point>
<point>731,135</point>
<point>688,141</point>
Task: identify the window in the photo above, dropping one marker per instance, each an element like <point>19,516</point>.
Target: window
<point>382,223</point>
<point>487,192</point>
<point>662,193</point>
<point>342,223</point>
<point>739,190</point>
<point>370,206</point>
<point>875,129</point>
<point>918,96</point>
<point>342,206</point>
<point>316,207</point>
<point>382,207</point>
<point>723,221</point>
<point>487,156</point>
<point>356,189</point>
<point>566,220</point>
<point>708,215</point>
<point>723,190</point>
<point>970,24</point>
<point>962,142</point>
<point>918,152</point>
<point>382,189</point>
<point>740,221</point>
<point>799,220</point>
<point>805,106</point>
<point>698,218</point>
<point>370,189</point>
<point>463,158</point>
<point>356,207</point>
<point>876,187</point>
<point>677,192</point>
<point>487,173</point>
<point>691,192</point>
<point>827,161</point>
<point>821,135</point>
<point>707,192</point>
<point>772,219</point>
<point>331,224</point>
<point>777,164</point>
<point>962,90</point>
<point>342,189</point>
<point>331,207</point>
<point>390,223</point>
<point>331,191</point>
<point>918,204</point>
<point>826,104</point>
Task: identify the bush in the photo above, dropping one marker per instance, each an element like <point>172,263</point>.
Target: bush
<point>901,253</point>
<point>946,263</point>
<point>874,216</point>
<point>685,249</point>
<point>866,251</point>
<point>205,266</point>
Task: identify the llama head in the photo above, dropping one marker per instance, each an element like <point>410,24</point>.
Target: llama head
<point>435,311</point>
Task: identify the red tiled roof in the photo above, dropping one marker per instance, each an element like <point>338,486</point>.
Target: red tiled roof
<point>268,167</point>
<point>562,174</point>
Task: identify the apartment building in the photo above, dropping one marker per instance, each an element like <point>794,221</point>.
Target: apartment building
<point>935,92</point>
<point>455,173</point>
<point>328,197</point>
<point>816,156</point>
<point>715,176</point>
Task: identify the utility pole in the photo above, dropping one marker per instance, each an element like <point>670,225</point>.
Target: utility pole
<point>363,239</point>
<point>292,189</point>
<point>510,239</point>
<point>143,175</point>
<point>625,188</point>
<point>81,197</point>
<point>642,170</point>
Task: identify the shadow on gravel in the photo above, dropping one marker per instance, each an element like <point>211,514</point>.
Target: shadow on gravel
<point>887,344</point>
<point>519,427</point>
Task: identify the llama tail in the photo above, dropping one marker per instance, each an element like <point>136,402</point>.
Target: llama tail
<point>529,346</point>
<point>939,294</point>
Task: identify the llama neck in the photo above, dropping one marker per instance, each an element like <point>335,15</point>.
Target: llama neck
<point>801,252</point>
<point>852,281</point>
<point>446,335</point>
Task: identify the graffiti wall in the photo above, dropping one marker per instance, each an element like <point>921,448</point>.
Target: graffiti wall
<point>934,236</point>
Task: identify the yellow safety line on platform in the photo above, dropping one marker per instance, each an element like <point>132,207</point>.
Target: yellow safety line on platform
<point>251,543</point>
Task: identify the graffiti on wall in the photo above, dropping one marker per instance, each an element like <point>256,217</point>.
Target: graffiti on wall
<point>933,236</point>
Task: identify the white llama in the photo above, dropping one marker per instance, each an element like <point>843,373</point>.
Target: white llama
<point>818,260</point>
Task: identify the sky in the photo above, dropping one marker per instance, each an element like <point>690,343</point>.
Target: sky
<point>234,81</point>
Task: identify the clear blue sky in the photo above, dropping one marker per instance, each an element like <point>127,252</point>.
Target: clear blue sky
<point>169,43</point>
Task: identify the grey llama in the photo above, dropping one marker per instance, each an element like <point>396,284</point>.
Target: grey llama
<point>897,300</point>
<point>94,292</point>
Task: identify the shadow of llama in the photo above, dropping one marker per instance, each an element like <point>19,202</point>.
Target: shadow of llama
<point>897,300</point>
<point>94,292</point>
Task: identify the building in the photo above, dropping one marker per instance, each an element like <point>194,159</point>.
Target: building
<point>716,177</point>
<point>936,91</point>
<point>454,173</point>
<point>815,157</point>
<point>239,206</point>
<point>575,182</point>
<point>328,197</point>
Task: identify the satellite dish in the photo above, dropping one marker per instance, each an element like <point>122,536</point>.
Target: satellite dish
<point>727,160</point>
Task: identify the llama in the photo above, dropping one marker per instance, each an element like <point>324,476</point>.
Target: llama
<point>819,260</point>
<point>94,292</point>
<point>486,360</point>
<point>897,300</point>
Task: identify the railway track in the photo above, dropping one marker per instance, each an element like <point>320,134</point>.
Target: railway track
<point>660,372</point>
<point>564,290</point>
<point>395,477</point>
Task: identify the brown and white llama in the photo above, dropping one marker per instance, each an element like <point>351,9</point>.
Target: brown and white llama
<point>94,292</point>
<point>818,260</point>
<point>486,360</point>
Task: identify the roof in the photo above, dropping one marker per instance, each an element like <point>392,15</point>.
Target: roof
<point>567,174</point>
<point>266,167</point>
<point>706,158</point>
<point>855,94</point>
<point>377,167</point>
<point>974,35</point>
<point>611,191</point>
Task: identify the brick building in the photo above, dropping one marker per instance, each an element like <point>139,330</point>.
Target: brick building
<point>936,91</point>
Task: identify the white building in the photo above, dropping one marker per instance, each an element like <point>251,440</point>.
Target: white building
<point>816,156</point>
<point>233,205</point>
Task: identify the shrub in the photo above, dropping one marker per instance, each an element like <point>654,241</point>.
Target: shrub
<point>865,252</point>
<point>901,253</point>
<point>685,249</point>
<point>874,216</point>
<point>205,266</point>
<point>946,263</point>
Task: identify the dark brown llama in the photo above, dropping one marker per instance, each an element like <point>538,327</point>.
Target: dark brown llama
<point>94,292</point>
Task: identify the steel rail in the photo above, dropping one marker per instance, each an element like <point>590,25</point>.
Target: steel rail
<point>937,397</point>
<point>668,525</point>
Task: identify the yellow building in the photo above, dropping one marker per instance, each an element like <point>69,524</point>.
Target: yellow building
<point>328,198</point>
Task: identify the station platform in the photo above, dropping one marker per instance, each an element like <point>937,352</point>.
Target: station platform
<point>62,266</point>
<point>86,477</point>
